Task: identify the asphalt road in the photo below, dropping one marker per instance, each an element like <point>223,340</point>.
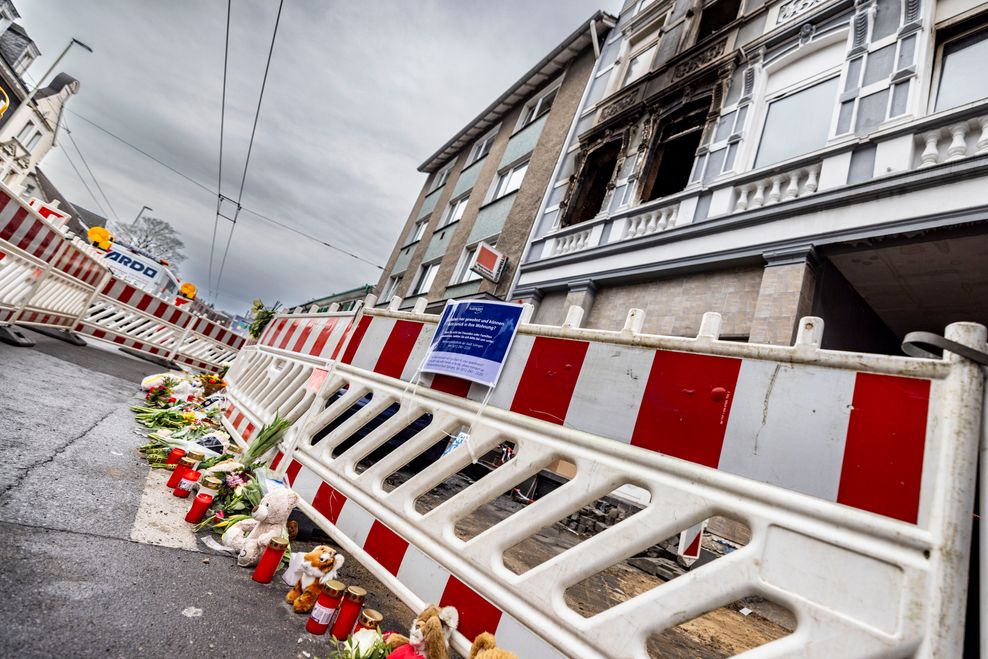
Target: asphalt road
<point>73,583</point>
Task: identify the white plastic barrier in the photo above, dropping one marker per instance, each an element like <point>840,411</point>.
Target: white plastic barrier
<point>854,472</point>
<point>46,280</point>
<point>282,372</point>
<point>132,318</point>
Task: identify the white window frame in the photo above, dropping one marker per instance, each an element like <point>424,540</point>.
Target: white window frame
<point>33,142</point>
<point>454,211</point>
<point>536,108</point>
<point>25,133</point>
<point>792,90</point>
<point>647,38</point>
<point>426,278</point>
<point>394,281</point>
<point>500,187</point>
<point>463,273</point>
<point>441,177</point>
<point>937,72</point>
<point>482,146</point>
<point>418,230</point>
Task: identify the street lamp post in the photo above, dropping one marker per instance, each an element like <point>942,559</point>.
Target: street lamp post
<point>51,68</point>
<point>141,212</point>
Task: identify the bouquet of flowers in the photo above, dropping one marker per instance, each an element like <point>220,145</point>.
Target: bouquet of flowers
<point>262,315</point>
<point>161,396</point>
<point>211,383</point>
<point>365,644</point>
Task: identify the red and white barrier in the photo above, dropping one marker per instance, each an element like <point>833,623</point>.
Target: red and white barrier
<point>281,374</point>
<point>854,473</point>
<point>50,281</point>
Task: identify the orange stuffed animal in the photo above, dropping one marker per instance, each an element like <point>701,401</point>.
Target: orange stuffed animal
<point>485,647</point>
<point>428,637</point>
<point>319,565</point>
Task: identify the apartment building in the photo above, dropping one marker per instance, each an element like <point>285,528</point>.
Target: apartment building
<point>29,120</point>
<point>770,160</point>
<point>486,183</point>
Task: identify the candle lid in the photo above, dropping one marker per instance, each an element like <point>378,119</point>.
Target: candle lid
<point>356,593</point>
<point>195,455</point>
<point>280,543</point>
<point>212,482</point>
<point>333,588</point>
<point>188,462</point>
<point>370,618</point>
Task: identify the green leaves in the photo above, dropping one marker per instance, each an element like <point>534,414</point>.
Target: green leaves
<point>265,440</point>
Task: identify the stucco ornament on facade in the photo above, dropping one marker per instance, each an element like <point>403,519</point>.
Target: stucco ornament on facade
<point>791,10</point>
<point>699,60</point>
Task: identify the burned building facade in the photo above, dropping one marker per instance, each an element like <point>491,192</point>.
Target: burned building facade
<point>771,160</point>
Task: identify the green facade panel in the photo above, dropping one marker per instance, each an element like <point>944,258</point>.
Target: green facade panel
<point>523,142</point>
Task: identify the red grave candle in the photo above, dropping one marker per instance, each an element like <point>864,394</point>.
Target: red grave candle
<point>183,465</point>
<point>184,487</point>
<point>369,619</point>
<point>325,608</point>
<point>353,601</point>
<point>270,560</point>
<point>174,456</point>
<point>199,507</point>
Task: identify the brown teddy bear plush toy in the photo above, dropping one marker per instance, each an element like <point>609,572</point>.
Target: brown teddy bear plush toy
<point>319,565</point>
<point>485,647</point>
<point>428,637</point>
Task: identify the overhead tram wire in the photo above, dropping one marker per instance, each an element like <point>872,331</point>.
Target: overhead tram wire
<point>250,147</point>
<point>219,177</point>
<point>89,169</point>
<point>84,183</point>
<point>212,192</point>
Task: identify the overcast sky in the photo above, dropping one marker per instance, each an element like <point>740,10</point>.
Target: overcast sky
<point>359,94</point>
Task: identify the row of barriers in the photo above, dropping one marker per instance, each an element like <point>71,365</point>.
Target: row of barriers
<point>50,281</point>
<point>853,475</point>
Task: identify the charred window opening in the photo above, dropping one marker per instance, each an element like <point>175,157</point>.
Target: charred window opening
<point>671,157</point>
<point>592,186</point>
<point>715,17</point>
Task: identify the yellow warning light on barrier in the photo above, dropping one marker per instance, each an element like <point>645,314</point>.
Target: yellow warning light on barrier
<point>188,290</point>
<point>99,237</point>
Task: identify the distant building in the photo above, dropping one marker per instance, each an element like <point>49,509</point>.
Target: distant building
<point>770,160</point>
<point>345,301</point>
<point>486,182</point>
<point>28,127</point>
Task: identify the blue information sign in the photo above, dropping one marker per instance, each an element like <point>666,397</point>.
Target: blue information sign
<point>473,339</point>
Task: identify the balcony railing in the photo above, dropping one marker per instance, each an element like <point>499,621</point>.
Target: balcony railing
<point>798,183</point>
<point>955,142</point>
<point>651,221</point>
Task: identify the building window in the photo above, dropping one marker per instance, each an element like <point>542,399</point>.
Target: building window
<point>671,156</point>
<point>797,123</point>
<point>391,288</point>
<point>455,210</point>
<point>641,53</point>
<point>482,147</point>
<point>595,175</point>
<point>539,105</point>
<point>463,272</point>
<point>25,133</point>
<point>716,16</point>
<point>962,78</point>
<point>33,142</point>
<point>441,177</point>
<point>418,230</point>
<point>427,275</point>
<point>509,180</point>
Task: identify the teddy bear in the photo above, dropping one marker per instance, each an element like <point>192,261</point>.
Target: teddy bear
<point>485,647</point>
<point>428,637</point>
<point>250,537</point>
<point>318,566</point>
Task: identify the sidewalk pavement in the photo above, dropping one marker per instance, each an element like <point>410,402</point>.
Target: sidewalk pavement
<point>74,583</point>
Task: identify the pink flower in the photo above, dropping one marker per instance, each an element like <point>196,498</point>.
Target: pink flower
<point>219,514</point>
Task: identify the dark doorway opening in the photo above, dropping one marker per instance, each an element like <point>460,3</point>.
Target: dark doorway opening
<point>592,185</point>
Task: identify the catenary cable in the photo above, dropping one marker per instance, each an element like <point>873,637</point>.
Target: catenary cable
<point>219,176</point>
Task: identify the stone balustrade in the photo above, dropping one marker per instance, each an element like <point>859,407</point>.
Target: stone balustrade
<point>963,139</point>
<point>770,190</point>
<point>650,221</point>
<point>573,242</point>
